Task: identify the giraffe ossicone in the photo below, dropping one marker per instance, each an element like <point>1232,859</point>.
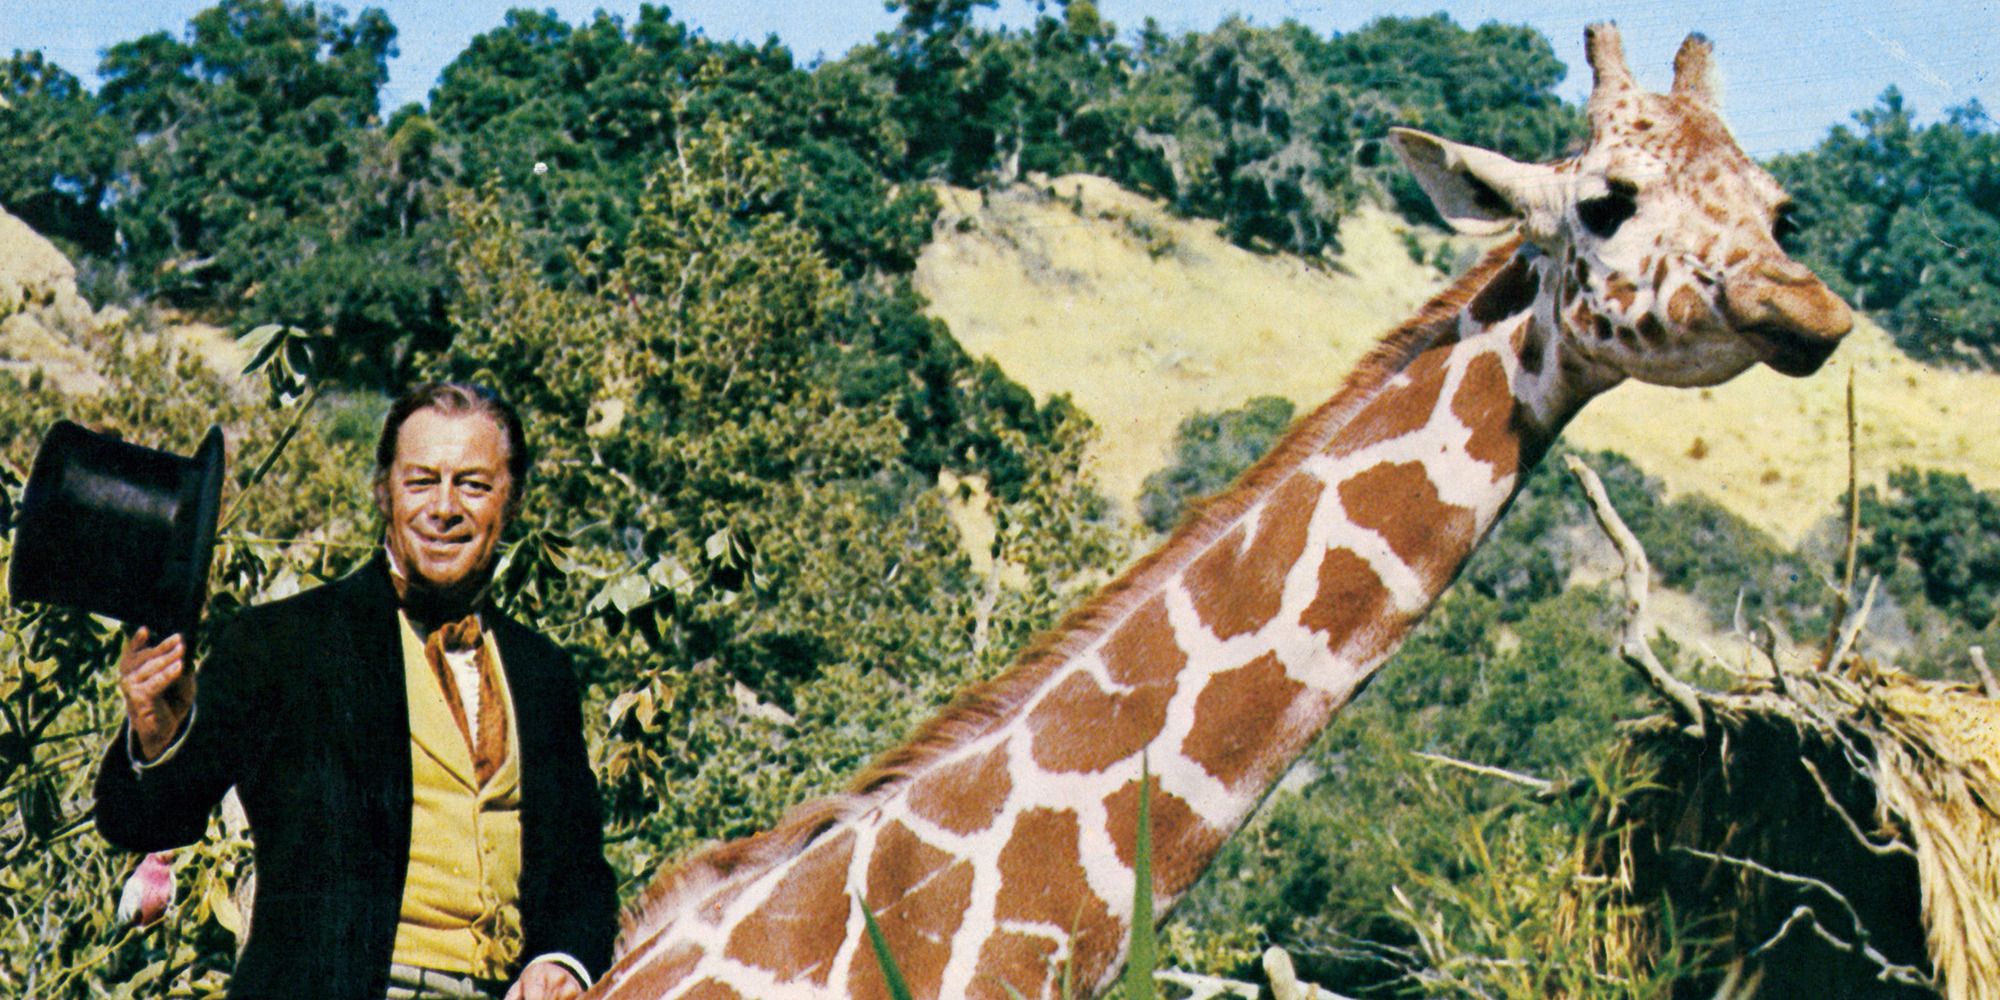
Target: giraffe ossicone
<point>996,847</point>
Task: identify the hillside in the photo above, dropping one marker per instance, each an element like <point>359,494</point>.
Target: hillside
<point>45,323</point>
<point>1081,287</point>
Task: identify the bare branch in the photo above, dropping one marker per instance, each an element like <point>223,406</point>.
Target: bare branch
<point>1854,625</point>
<point>1541,785</point>
<point>1894,846</point>
<point>1769,646</point>
<point>1634,647</point>
<point>1844,596</point>
<point>1887,971</point>
<point>1978,654</point>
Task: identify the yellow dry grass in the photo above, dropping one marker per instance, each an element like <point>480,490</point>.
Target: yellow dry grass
<point>1142,319</point>
<point>1072,302</point>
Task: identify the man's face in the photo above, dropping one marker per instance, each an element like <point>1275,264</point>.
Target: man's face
<point>446,496</point>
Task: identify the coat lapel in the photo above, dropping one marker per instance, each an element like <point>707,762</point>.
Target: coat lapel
<point>377,713</point>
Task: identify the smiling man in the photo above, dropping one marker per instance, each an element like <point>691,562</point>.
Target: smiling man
<point>411,760</point>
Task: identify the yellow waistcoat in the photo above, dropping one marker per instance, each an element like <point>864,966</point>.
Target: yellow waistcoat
<point>461,908</point>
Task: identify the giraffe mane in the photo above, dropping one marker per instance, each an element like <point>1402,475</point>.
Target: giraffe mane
<point>977,709</point>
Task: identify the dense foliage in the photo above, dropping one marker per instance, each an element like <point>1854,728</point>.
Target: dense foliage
<point>689,261</point>
<point>781,599</point>
<point>1935,541</point>
<point>243,169</point>
<point>786,593</point>
<point>1210,449</point>
<point>1903,221</point>
<point>304,521</point>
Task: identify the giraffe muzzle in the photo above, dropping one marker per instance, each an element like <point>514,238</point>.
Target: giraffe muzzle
<point>1789,314</point>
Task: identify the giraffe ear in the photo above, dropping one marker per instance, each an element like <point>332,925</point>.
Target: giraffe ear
<point>1478,191</point>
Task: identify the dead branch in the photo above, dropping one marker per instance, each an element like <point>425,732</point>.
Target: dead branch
<point>1844,596</point>
<point>1887,971</point>
<point>1634,647</point>
<point>1854,625</point>
<point>1894,846</point>
<point>1540,785</point>
<point>1986,681</point>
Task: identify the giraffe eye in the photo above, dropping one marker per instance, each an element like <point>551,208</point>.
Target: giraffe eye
<point>1603,215</point>
<point>1786,224</point>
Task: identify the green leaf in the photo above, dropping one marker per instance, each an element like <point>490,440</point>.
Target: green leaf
<point>263,343</point>
<point>891,974</point>
<point>628,592</point>
<point>224,909</point>
<point>1144,956</point>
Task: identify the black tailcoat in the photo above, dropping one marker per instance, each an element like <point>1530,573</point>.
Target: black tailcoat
<point>301,706</point>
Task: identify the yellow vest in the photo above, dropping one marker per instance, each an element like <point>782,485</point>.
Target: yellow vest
<point>461,900</point>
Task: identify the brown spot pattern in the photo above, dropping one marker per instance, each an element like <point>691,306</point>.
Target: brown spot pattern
<point>1400,503</point>
<point>1511,291</point>
<point>1686,306</point>
<point>964,796</point>
<point>1399,411</point>
<point>918,927</point>
<point>1182,843</point>
<point>1534,341</point>
<point>1350,596</point>
<point>1079,726</point>
<point>656,976</point>
<point>1485,403</point>
<point>709,989</point>
<point>1021,961</point>
<point>1143,650</point>
<point>1042,880</point>
<point>1233,713</point>
<point>1237,592</point>
<point>797,931</point>
<point>1621,290</point>
<point>1579,316</point>
<point>900,862</point>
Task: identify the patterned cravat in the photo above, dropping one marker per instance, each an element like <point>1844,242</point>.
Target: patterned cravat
<point>462,636</point>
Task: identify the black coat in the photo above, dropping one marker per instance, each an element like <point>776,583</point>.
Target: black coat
<point>301,706</point>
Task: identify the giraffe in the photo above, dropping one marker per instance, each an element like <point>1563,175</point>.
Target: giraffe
<point>996,847</point>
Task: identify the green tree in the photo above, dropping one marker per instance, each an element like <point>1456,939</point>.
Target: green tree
<point>1902,220</point>
<point>1210,451</point>
<point>1931,533</point>
<point>785,593</point>
<point>59,153</point>
<point>251,182</point>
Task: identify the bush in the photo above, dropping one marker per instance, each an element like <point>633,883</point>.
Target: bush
<point>1210,451</point>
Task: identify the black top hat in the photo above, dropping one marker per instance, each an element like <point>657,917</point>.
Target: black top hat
<point>118,529</point>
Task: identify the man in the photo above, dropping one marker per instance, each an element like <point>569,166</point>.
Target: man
<point>411,761</point>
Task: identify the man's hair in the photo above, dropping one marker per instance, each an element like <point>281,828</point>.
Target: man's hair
<point>457,399</point>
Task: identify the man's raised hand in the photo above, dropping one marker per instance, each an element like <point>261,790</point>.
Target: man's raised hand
<point>158,690</point>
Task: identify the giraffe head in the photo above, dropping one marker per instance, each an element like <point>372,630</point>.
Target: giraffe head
<point>1664,235</point>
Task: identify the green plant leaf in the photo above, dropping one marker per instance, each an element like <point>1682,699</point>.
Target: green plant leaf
<point>1144,953</point>
<point>891,974</point>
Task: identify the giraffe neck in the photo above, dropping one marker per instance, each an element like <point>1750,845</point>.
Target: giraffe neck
<point>998,846</point>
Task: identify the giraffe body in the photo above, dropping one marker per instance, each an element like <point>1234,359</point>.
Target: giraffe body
<point>996,848</point>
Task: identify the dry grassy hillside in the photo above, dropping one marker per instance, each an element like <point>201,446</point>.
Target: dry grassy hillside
<point>45,321</point>
<point>1143,318</point>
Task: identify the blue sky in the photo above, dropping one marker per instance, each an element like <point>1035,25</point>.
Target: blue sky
<point>1790,68</point>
